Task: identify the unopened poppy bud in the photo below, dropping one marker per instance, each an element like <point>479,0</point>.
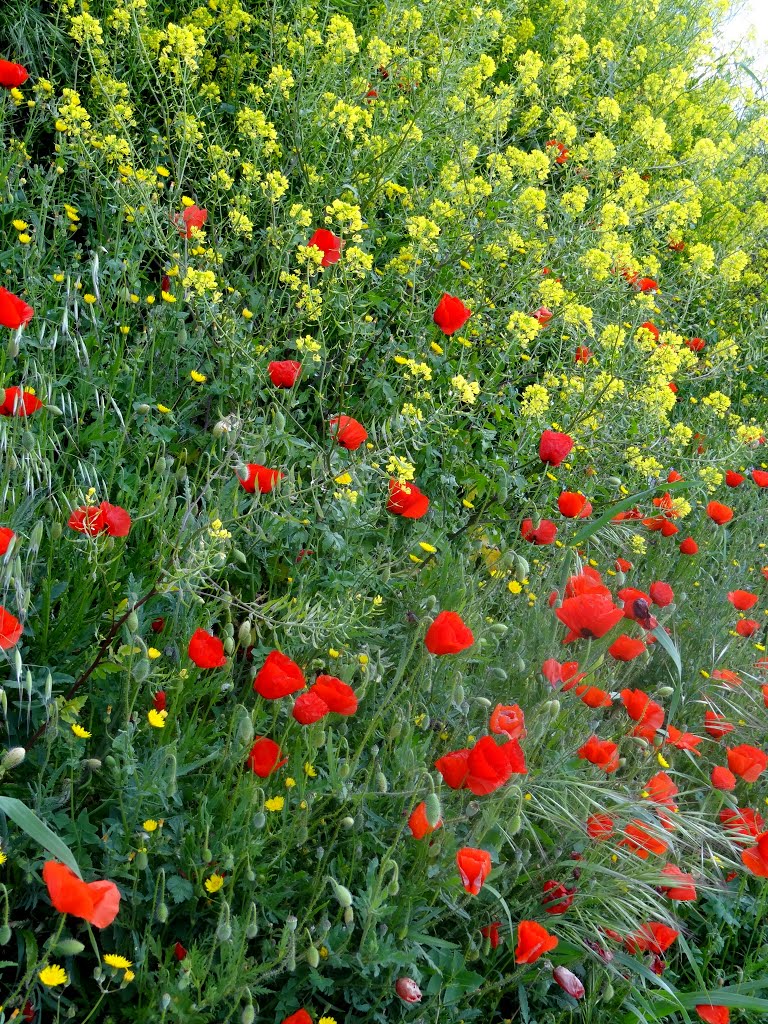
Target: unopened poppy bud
<point>498,629</point>
<point>28,440</point>
<point>54,410</point>
<point>430,603</point>
<point>458,694</point>
<point>143,408</point>
<point>522,568</point>
<point>615,480</point>
<point>494,672</point>
<point>349,917</point>
<point>207,855</point>
<point>432,809</point>
<point>141,669</point>
<point>238,555</point>
<point>348,822</point>
<point>484,702</point>
<point>395,730</point>
<point>181,474</point>
<point>252,928</point>
<point>165,1001</point>
<point>551,708</point>
<point>513,824</point>
<point>68,947</point>
<point>381,782</point>
<point>12,758</point>
<point>520,663</point>
<point>344,771</point>
<point>56,529</point>
<point>313,956</point>
<point>229,644</point>
<point>608,992</point>
<point>408,990</point>
<point>132,622</point>
<point>141,860</point>
<point>92,763</point>
<point>568,982</point>
<point>162,912</point>
<point>342,894</point>
<point>248,1016</point>
<point>666,691</point>
<point>5,935</point>
<point>244,633</point>
<point>279,421</point>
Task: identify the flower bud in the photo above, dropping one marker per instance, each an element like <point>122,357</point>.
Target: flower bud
<point>162,912</point>
<point>68,947</point>
<point>248,1016</point>
<point>568,982</point>
<point>13,757</point>
<point>349,918</point>
<point>313,956</point>
<point>408,990</point>
<point>342,894</point>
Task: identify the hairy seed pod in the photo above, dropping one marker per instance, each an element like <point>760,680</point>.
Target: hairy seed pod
<point>313,956</point>
<point>342,894</point>
<point>432,809</point>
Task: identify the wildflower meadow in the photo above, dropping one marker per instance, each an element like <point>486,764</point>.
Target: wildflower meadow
<point>384,579</point>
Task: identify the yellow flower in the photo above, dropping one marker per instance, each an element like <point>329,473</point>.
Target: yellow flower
<point>247,314</point>
<point>290,782</point>
<point>115,960</point>
<point>197,377</point>
<point>162,408</point>
<point>332,652</point>
<point>150,825</point>
<point>90,299</point>
<point>53,975</point>
<point>186,201</point>
<point>327,1020</point>
<point>128,976</point>
<point>58,278</point>
<point>167,297</point>
<point>80,732</point>
<point>24,238</point>
<point>214,883</point>
<point>162,171</point>
<point>3,858</point>
<point>427,547</point>
<point>157,718</point>
<point>20,225</point>
<point>309,770</point>
<point>344,479</point>
<point>363,659</point>
<point>275,803</point>
<point>152,652</point>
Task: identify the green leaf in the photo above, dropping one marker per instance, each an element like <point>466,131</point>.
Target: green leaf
<point>36,829</point>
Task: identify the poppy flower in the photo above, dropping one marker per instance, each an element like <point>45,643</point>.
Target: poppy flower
<point>661,789</point>
<point>568,673</point>
<point>716,725</point>
<point>10,630</point>
<point>299,1017</point>
<point>6,536</point>
<point>719,513</point>
<point>747,627</point>
<point>508,720</point>
<point>278,677</point>
<point>683,740</point>
<point>309,707</point>
<point>650,326</point>
<point>554,447</point>
<point>747,762</point>
<point>689,547</point>
<point>744,821</point>
<point>742,600</point>
<point>418,823</point>
<point>406,500</point>
<point>601,753</point>
<point>491,932</point>
<point>652,938</point>
<point>533,941</point>
<point>696,344</point>
<point>622,565</point>
<point>14,312</point>
<point>645,284</point>
<point>562,152</point>
<point>408,990</point>
<point>729,678</point>
<point>568,982</point>
<point>588,616</point>
<point>626,648</point>
<point>348,432</point>
<point>540,535</point>
<point>474,867</point>
<point>261,478</point>
<point>755,859</point>
<point>556,898</point>
<point>760,477</point>
<point>661,594</point>
<point>12,75</point>
<point>713,1014</point>
<point>338,696</point>
<point>284,373</point>
<point>491,765</point>
<point>593,696</point>
<point>160,701</point>
<point>599,827</point>
<point>448,635</point>
<point>265,757</point>
<point>179,951</point>
<point>571,504</point>
<point>206,650</point>
<point>646,712</point>
<point>94,902</point>
<point>454,768</point>
<point>543,315</point>
<point>734,479</point>
<point>104,518</point>
<point>723,779</point>
<point>117,522</point>
<point>157,625</point>
<point>677,884</point>
<point>330,246</point>
<point>451,314</point>
<point>19,403</point>
<point>190,220</point>
<point>582,354</point>
<point>588,581</point>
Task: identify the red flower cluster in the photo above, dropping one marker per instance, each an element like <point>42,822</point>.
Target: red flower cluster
<point>104,518</point>
<point>326,694</point>
<point>483,768</point>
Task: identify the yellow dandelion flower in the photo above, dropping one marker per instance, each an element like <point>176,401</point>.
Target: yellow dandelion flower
<point>247,314</point>
<point>290,782</point>
<point>128,976</point>
<point>363,659</point>
<point>80,732</point>
<point>214,883</point>
<point>157,718</point>
<point>152,652</point>
<point>167,297</point>
<point>20,225</point>
<point>150,825</point>
<point>162,171</point>
<point>163,408</point>
<point>275,803</point>
<point>427,547</point>
<point>197,377</point>
<point>53,975</point>
<point>115,960</point>
<point>24,238</point>
<point>333,653</point>
<point>309,770</point>
<point>327,1020</point>
<point>89,298</point>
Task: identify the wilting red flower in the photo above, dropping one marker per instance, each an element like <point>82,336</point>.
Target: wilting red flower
<point>179,951</point>
<point>556,898</point>
<point>10,630</point>
<point>418,824</point>
<point>190,220</point>
<point>744,821</point>
<point>582,354</point>
<point>562,152</point>
<point>651,938</point>
<point>157,625</point>
<point>543,315</point>
<point>160,701</point>
<point>19,403</point>
<point>568,673</point>
<point>601,753</point>
<point>713,1014</point>
<point>747,627</point>
<point>533,941</point>
<point>661,594</point>
<point>12,75</point>
<point>348,432</point>
<point>554,447</point>
<point>719,513</point>
<point>599,827</point>
<point>206,650</point>
<point>756,857</point>
<point>540,535</point>
<point>723,779</point>
<point>568,982</point>
<point>677,884</point>
<point>6,536</point>
<point>716,725</point>
<point>491,932</point>
<point>261,478</point>
<point>588,616</point>
<point>760,477</point>
<point>265,757</point>
<point>683,740</point>
<point>329,244</point>
<point>406,500</point>
<point>278,677</point>
<point>734,479</point>
<point>742,599</point>
<point>448,634</point>
<point>689,546</point>
<point>309,707</point>
<point>626,648</point>
<point>14,312</point>
<point>508,720</point>
<point>299,1017</point>
<point>474,867</point>
<point>451,314</point>
<point>747,762</point>
<point>284,373</point>
<point>95,902</point>
<point>408,990</point>
<point>571,504</point>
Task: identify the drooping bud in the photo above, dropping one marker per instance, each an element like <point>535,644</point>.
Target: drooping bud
<point>408,990</point>
<point>568,982</point>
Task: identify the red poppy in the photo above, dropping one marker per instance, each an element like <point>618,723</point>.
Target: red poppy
<point>747,762</point>
<point>719,513</point>
<point>309,707</point>
<point>95,902</point>
<point>676,246</point>
<point>10,630</point>
<point>661,523</point>
<point>646,712</point>
<point>755,859</point>
<point>265,757</point>
<point>474,867</point>
<point>760,477</point>
<point>543,315</point>
<point>588,581</point>
<point>491,932</point>
<point>190,220</point>
<point>12,75</point>
<point>661,594</point>
<point>179,952</point>
<point>418,823</point>
<point>661,789</point>
<point>582,354</point>
<point>716,725</point>
<point>650,326</point>
<point>451,314</point>
<point>744,821</point>
<point>723,779</point>
<point>14,312</point>
<point>622,565</point>
<point>689,546</point>
<point>651,938</point>
<point>117,522</point>
<point>764,690</point>
<point>600,827</point>
<point>747,627</point>
<point>571,504</point>
<point>593,696</point>
<point>645,284</point>
<point>588,616</point>
<point>677,884</point>
<point>284,373</point>
<point>299,1017</point>
<point>533,941</point>
<point>742,599</point>
<point>406,500</point>
<point>278,677</point>
<point>448,635</point>
<point>556,897</point>
<point>554,447</point>
<point>329,244</point>
<point>568,673</point>
<point>601,753</point>
<point>104,518</point>
<point>734,479</point>
<point>157,625</point>
<point>626,648</point>
<point>338,696</point>
<point>540,535</point>
<point>6,536</point>
<point>696,344</point>
<point>490,765</point>
<point>348,432</point>
<point>713,1014</point>
<point>683,740</point>
<point>562,152</point>
<point>206,650</point>
<point>160,701</point>
<point>261,478</point>
<point>508,720</point>
<point>19,403</point>
<point>729,678</point>
<point>568,982</point>
<point>454,768</point>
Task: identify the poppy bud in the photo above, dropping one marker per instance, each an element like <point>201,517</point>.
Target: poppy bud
<point>162,913</point>
<point>349,918</point>
<point>666,691</point>
<point>313,956</point>
<point>408,990</point>
<point>5,935</point>
<point>244,634</point>
<point>568,982</point>
<point>381,782</point>
<point>552,708</point>
<point>229,645</point>
<point>499,674</point>
<point>141,860</point>
<point>165,1001</point>
<point>347,822</point>
<point>342,894</point>
<point>69,947</point>
<point>498,629</point>
<point>132,622</point>
<point>252,928</point>
<point>432,809</point>
<point>248,1016</point>
<point>12,758</point>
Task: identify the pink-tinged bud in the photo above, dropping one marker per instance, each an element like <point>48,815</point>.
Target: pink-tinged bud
<point>568,982</point>
<point>409,991</point>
